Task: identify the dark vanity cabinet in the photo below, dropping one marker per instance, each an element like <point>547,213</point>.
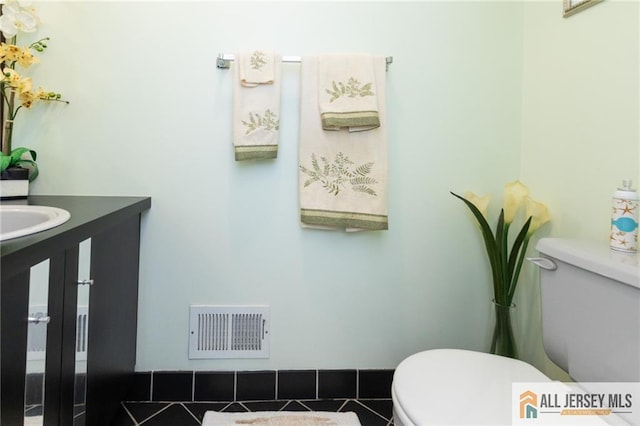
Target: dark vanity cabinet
<point>113,225</point>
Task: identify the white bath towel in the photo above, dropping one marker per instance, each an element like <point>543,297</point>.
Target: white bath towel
<point>342,175</point>
<point>256,111</point>
<point>347,92</point>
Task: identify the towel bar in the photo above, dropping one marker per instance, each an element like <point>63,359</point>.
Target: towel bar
<point>224,59</point>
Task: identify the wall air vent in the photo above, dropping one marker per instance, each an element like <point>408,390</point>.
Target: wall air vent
<point>228,332</point>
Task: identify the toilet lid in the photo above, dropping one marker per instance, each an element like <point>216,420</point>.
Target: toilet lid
<point>453,386</point>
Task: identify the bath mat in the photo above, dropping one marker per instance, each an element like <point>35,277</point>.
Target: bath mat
<point>281,418</point>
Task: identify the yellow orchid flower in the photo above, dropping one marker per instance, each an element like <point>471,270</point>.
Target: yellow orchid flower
<point>539,215</point>
<point>514,195</point>
<point>26,58</point>
<point>9,53</point>
<point>17,92</point>
<point>27,98</point>
<point>10,75</point>
<point>15,80</point>
<point>482,203</point>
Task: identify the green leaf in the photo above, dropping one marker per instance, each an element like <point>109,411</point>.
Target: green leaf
<point>15,159</point>
<point>5,162</point>
<point>517,244</point>
<point>489,240</point>
<point>518,252</point>
<point>32,166</point>
<point>17,153</point>
<point>502,233</point>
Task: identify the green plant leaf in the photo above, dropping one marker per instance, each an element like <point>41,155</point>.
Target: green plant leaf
<point>16,154</point>
<point>517,245</point>
<point>502,234</point>
<point>15,159</point>
<point>489,240</point>
<point>32,166</point>
<point>5,162</point>
<point>518,252</point>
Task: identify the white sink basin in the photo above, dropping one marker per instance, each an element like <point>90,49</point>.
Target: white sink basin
<point>20,220</point>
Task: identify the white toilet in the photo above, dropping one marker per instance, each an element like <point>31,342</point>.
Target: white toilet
<point>590,298</point>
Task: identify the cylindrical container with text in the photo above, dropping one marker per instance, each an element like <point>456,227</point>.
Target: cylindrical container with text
<point>624,219</point>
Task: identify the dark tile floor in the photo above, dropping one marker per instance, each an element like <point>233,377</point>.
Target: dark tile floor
<point>371,412</point>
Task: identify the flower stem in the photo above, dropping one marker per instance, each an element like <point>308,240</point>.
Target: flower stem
<point>503,261</point>
<point>8,117</point>
<point>503,341</point>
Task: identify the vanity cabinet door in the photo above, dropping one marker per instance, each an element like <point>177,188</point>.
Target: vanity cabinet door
<point>82,334</point>
<point>37,326</point>
<point>113,321</point>
<point>14,313</point>
<point>63,277</point>
<point>14,296</point>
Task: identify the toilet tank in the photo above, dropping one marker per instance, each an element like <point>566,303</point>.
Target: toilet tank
<point>590,310</point>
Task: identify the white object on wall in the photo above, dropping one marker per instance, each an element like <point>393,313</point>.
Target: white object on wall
<point>228,332</point>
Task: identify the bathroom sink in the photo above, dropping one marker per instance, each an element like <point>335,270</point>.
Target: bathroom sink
<point>21,220</point>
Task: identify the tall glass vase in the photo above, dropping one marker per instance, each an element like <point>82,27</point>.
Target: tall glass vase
<point>504,330</point>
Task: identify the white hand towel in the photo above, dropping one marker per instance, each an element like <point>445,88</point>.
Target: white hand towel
<point>347,92</point>
<point>256,112</point>
<point>342,175</point>
<point>258,67</point>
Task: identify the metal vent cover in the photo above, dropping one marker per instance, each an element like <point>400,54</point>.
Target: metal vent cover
<point>217,331</point>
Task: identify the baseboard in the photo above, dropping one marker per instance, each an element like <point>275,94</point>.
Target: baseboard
<point>266,385</point>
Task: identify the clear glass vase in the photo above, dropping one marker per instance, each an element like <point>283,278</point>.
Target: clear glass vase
<point>504,336</point>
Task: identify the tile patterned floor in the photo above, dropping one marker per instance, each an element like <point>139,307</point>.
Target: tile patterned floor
<point>371,412</point>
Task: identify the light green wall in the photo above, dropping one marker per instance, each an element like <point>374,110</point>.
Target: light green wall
<point>580,124</point>
<point>580,115</point>
<point>150,115</point>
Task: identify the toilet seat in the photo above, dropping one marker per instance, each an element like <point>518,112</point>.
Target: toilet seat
<point>454,386</point>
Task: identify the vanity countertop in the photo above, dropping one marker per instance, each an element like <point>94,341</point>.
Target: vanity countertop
<point>90,215</point>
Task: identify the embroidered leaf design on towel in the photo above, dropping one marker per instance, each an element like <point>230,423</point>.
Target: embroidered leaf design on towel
<point>268,121</point>
<point>352,89</point>
<point>257,60</point>
<point>335,176</point>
